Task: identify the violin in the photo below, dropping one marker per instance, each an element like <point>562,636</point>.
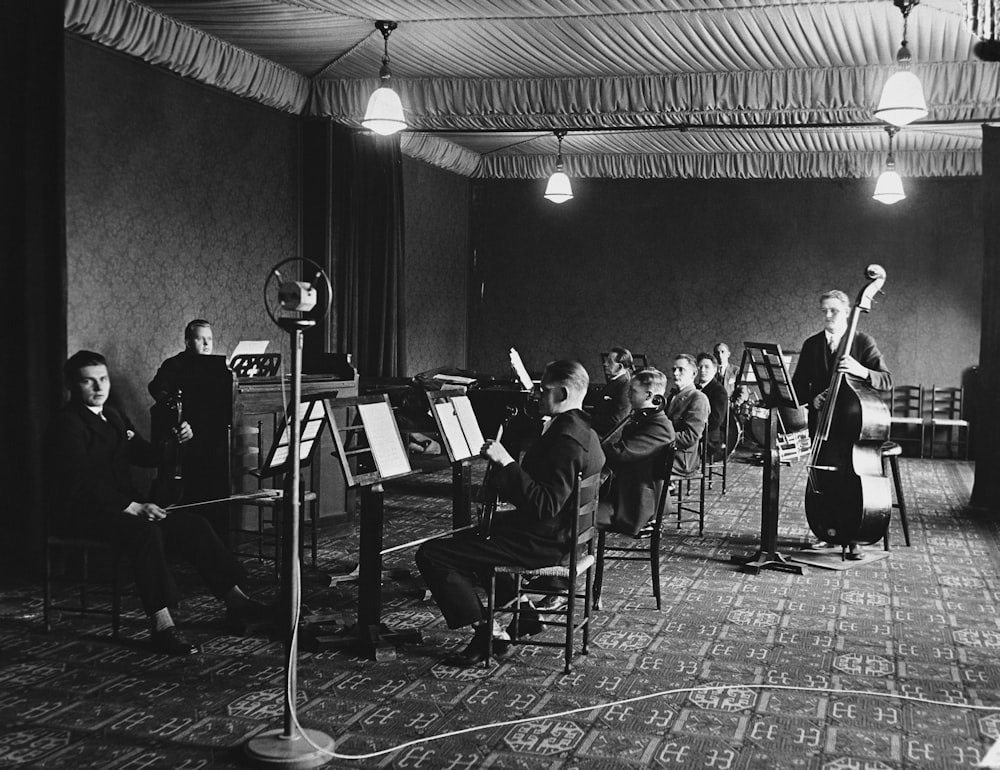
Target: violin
<point>168,487</point>
<point>848,498</point>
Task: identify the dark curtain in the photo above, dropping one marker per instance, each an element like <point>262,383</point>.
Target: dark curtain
<point>33,242</point>
<point>367,212</point>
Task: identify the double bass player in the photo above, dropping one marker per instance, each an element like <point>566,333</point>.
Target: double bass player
<point>815,366</point>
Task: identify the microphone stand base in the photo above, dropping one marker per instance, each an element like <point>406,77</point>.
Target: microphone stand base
<point>275,749</point>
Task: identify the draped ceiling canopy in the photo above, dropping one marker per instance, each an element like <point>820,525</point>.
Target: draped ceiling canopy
<point>704,89</point>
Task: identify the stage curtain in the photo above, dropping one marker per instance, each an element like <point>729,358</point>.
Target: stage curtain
<point>367,221</point>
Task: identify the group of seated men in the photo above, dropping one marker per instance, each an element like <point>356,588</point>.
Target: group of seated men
<point>90,446</point>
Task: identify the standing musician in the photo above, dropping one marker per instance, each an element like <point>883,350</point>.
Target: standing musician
<point>537,532</point>
<point>718,400</point>
<point>88,448</point>
<point>613,405</point>
<point>688,410</point>
<point>815,367</point>
<point>629,500</point>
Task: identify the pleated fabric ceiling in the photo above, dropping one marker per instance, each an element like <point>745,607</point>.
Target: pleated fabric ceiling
<point>646,88</point>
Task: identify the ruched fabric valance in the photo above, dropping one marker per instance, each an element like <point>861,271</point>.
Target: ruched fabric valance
<point>157,39</point>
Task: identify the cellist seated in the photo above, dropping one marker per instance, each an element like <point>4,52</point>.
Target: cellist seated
<point>628,500</point>
<point>88,450</point>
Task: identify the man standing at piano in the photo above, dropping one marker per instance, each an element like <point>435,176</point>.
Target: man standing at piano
<point>612,405</point>
<point>537,532</point>
<point>88,450</point>
<point>815,366</point>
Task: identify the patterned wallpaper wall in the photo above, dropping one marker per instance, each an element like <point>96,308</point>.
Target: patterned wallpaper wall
<point>437,242</point>
<point>668,266</point>
<point>178,200</point>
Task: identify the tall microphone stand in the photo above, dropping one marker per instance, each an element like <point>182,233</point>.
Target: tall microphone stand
<point>292,746</point>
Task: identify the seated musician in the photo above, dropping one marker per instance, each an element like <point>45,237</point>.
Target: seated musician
<point>537,532</point>
<point>628,502</point>
<point>89,448</point>
<point>815,367</point>
<point>202,390</point>
<point>612,406</point>
<point>727,373</point>
<point>688,410</point>
<point>718,401</point>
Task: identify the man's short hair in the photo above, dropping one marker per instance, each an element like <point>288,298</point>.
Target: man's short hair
<point>720,346</point>
<point>835,294</point>
<point>622,356</point>
<point>703,356</point>
<point>570,374</point>
<point>78,361</point>
<point>691,360</point>
<point>192,325</point>
<point>652,380</point>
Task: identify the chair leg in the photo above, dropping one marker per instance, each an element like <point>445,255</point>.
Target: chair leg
<point>654,567</point>
<point>701,509</point>
<point>116,595</point>
<point>570,619</point>
<point>587,614</point>
<point>47,590</point>
<point>491,594</point>
<point>900,500</point>
<point>599,574</point>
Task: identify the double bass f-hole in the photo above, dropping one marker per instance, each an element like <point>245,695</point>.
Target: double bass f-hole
<point>848,498</point>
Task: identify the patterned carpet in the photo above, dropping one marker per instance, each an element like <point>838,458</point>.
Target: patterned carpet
<point>892,663</point>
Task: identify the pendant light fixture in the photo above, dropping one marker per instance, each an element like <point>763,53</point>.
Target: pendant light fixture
<point>889,187</point>
<point>385,112</point>
<point>559,190</point>
<point>902,99</point>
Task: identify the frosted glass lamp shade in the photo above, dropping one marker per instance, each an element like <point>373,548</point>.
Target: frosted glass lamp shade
<point>902,100</point>
<point>559,190</point>
<point>385,112</point>
<point>889,188</point>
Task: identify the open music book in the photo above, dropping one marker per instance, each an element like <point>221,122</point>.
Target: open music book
<point>459,426</point>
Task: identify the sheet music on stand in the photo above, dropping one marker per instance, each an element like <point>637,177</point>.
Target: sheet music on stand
<point>312,417</point>
<point>520,371</point>
<point>456,420</point>
<point>368,442</point>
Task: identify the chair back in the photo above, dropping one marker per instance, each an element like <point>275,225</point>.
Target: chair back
<point>906,401</point>
<point>662,470</point>
<point>946,403</point>
<point>585,510</point>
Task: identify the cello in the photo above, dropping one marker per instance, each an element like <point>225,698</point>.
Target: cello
<point>848,498</point>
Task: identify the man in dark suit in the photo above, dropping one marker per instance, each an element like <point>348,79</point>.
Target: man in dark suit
<point>612,405</point>
<point>629,500</point>
<point>815,367</point>
<point>537,532</point>
<point>688,410</point>
<point>89,448</point>
<point>718,400</point>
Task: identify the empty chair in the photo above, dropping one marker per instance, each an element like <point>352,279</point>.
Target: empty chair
<point>947,419</point>
<point>906,410</point>
<point>80,548</point>
<point>687,509</point>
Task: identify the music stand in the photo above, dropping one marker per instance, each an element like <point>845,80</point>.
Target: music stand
<point>462,439</point>
<point>371,451</point>
<point>256,364</point>
<point>775,385</point>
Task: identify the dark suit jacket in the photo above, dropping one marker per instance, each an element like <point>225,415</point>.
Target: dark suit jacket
<point>87,468</point>
<point>542,484</point>
<point>634,458</point>
<point>718,401</point>
<point>812,373</point>
<point>613,405</point>
<point>688,410</point>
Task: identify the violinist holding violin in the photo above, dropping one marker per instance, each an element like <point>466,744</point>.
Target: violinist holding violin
<point>88,449</point>
<point>631,451</point>
<point>813,372</point>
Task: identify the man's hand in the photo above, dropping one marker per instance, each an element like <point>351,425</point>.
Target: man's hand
<point>852,366</point>
<point>147,511</point>
<point>183,432</point>
<point>817,403</point>
<point>496,452</point>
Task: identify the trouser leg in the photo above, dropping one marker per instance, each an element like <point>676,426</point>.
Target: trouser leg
<point>192,537</point>
<point>142,542</point>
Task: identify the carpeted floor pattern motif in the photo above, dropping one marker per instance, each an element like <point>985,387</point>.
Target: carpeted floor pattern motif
<point>890,664</point>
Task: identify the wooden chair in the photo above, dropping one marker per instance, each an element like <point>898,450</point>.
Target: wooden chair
<point>946,411</point>
<point>682,489</point>
<point>891,452</point>
<point>581,562</point>
<point>80,548</point>
<point>906,410</point>
<point>718,469</point>
<point>644,546</point>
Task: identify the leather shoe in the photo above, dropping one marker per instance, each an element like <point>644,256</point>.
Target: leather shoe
<point>821,545</point>
<point>169,641</point>
<point>528,624</point>
<point>855,554</point>
<point>253,614</point>
<point>476,651</point>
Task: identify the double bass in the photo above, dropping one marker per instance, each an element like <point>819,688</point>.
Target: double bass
<point>848,498</point>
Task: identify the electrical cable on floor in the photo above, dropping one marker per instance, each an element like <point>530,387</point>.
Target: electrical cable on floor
<point>610,704</point>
